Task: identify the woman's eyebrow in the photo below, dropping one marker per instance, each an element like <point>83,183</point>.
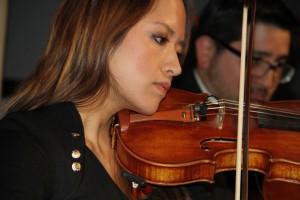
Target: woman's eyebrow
<point>171,32</point>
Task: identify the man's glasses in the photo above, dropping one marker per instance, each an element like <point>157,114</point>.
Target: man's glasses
<point>260,66</point>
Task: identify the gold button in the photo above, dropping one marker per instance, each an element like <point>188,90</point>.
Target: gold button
<point>76,154</point>
<point>76,166</point>
<point>75,135</point>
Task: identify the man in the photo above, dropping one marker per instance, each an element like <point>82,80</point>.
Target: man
<point>213,66</point>
<point>214,63</point>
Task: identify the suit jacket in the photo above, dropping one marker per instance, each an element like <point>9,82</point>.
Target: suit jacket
<point>44,156</point>
<point>186,81</point>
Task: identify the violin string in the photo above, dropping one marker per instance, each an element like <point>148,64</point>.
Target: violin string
<point>255,108</point>
<point>262,107</point>
<point>283,114</point>
<point>274,114</point>
<point>263,110</point>
<point>279,120</point>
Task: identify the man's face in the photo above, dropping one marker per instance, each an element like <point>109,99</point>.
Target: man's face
<point>271,44</point>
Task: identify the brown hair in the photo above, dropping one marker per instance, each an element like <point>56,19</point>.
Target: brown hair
<point>74,66</point>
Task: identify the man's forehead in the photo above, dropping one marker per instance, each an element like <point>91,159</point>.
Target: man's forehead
<point>271,41</point>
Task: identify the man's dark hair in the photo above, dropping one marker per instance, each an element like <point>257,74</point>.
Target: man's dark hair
<point>222,20</point>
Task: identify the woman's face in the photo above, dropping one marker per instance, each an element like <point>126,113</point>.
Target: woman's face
<point>147,60</point>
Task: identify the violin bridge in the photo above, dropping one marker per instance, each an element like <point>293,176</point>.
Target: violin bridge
<point>221,115</point>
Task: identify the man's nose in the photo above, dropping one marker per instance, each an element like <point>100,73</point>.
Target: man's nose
<point>268,80</point>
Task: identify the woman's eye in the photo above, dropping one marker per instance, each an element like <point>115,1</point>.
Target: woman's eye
<point>160,39</point>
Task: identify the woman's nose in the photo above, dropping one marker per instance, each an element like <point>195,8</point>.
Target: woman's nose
<point>173,66</point>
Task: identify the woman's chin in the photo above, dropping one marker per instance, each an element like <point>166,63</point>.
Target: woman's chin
<point>149,110</point>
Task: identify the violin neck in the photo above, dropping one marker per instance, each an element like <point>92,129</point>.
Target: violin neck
<point>279,121</point>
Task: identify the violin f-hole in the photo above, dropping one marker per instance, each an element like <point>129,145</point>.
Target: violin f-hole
<point>205,143</point>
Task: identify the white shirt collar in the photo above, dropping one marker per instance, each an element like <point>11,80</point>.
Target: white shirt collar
<point>202,86</point>
<point>200,82</point>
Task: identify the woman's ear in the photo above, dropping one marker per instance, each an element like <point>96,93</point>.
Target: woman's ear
<point>205,50</point>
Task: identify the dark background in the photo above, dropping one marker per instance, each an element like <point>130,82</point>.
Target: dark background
<point>27,32</point>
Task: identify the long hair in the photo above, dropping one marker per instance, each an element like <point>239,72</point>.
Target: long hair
<point>75,64</point>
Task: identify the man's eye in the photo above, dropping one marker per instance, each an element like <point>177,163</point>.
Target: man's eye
<point>160,39</point>
<point>281,63</point>
<point>256,60</point>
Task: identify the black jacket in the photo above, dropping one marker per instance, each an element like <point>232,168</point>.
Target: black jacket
<point>44,156</point>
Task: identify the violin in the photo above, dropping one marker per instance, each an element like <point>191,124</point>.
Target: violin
<point>192,137</point>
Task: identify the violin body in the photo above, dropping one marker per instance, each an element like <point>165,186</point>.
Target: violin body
<point>189,139</point>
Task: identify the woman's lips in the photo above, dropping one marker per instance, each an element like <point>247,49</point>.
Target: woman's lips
<point>163,87</point>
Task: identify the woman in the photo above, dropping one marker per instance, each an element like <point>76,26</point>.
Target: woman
<point>102,56</point>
